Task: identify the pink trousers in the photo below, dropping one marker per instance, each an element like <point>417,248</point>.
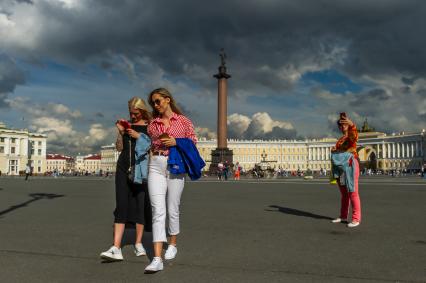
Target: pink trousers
<point>352,198</point>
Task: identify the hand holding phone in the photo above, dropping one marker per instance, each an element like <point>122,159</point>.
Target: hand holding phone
<point>125,124</point>
<point>164,136</point>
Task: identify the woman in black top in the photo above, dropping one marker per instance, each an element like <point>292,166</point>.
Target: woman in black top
<point>132,200</point>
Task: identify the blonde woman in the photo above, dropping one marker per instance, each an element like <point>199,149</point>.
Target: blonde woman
<point>132,199</point>
<point>165,188</point>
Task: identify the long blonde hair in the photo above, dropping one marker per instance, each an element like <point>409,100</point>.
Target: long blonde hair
<point>165,94</point>
<point>139,104</point>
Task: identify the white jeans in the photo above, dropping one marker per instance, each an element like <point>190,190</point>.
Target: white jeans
<point>162,187</point>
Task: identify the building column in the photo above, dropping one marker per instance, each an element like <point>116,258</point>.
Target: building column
<point>384,153</point>
<point>393,150</point>
<point>417,149</point>
<point>403,150</point>
<point>389,150</point>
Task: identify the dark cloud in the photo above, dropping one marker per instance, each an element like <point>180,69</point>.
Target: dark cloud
<point>266,43</point>
<point>106,65</point>
<point>10,77</point>
<point>270,46</point>
<point>25,1</point>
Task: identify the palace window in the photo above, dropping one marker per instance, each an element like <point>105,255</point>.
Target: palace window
<point>12,150</point>
<point>1,139</point>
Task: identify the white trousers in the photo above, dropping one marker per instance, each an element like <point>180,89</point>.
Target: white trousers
<point>164,188</point>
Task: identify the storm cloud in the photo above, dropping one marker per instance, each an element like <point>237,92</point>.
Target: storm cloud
<point>10,77</point>
<point>271,45</point>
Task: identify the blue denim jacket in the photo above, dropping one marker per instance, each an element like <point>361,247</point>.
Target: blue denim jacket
<point>343,162</point>
<point>143,144</point>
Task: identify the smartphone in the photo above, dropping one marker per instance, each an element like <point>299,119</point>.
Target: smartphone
<point>164,135</point>
<point>125,124</point>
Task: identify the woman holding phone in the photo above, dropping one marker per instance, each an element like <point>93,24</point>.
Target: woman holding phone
<point>165,188</point>
<point>132,200</point>
<point>348,190</point>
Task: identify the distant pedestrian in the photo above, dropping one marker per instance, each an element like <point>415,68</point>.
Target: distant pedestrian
<point>344,153</point>
<point>27,172</point>
<point>226,170</point>
<point>131,189</point>
<point>237,171</point>
<point>220,171</point>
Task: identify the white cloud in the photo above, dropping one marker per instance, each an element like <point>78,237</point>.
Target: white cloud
<point>58,110</point>
<point>238,124</point>
<point>205,133</point>
<point>63,138</point>
<point>259,126</point>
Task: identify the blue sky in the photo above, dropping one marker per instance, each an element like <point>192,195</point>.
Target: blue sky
<point>68,67</point>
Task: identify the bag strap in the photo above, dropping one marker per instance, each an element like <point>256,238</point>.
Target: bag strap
<point>130,153</point>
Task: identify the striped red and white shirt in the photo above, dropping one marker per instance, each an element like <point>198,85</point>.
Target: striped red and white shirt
<point>180,127</point>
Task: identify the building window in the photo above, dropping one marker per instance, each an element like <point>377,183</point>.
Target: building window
<point>1,139</point>
<point>12,150</point>
<point>1,149</point>
<point>39,143</point>
<point>39,152</point>
<point>13,140</point>
<point>39,169</point>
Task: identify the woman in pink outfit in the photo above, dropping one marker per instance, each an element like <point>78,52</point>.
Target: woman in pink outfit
<point>347,143</point>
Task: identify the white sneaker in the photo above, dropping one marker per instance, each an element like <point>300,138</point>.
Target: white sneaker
<point>113,254</point>
<point>155,265</point>
<point>353,224</point>
<point>139,250</point>
<point>338,220</point>
<point>171,252</point>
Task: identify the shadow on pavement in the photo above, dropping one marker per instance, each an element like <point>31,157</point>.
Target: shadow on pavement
<point>297,212</point>
<point>34,197</point>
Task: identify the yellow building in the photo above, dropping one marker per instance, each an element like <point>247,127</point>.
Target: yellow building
<point>60,163</point>
<point>109,157</point>
<point>19,148</point>
<point>376,151</point>
<point>286,154</point>
<point>92,163</point>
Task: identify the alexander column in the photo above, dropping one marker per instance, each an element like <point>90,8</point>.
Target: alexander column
<point>222,153</point>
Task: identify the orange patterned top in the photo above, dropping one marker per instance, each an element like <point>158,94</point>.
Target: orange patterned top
<point>348,142</point>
